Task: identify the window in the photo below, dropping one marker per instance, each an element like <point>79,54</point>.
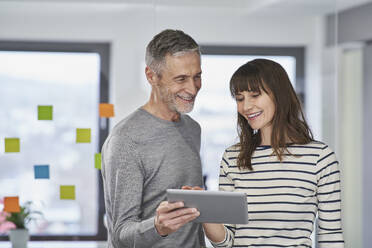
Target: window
<point>72,78</point>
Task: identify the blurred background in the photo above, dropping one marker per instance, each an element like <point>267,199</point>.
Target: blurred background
<point>75,54</point>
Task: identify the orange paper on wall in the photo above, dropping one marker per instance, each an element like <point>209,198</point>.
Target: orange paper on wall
<point>11,204</point>
<point>106,110</point>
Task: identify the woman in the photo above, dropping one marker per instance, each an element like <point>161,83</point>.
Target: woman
<point>288,177</point>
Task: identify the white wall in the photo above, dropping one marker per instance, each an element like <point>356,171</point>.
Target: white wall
<point>129,28</point>
<point>351,144</point>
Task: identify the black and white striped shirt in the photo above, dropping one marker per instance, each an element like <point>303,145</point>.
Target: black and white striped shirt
<point>284,197</point>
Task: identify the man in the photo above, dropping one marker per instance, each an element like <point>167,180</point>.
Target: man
<point>154,149</point>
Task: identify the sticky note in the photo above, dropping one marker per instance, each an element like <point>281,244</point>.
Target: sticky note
<point>11,204</point>
<point>106,110</point>
<point>45,112</point>
<point>41,171</point>
<point>82,135</point>
<point>97,161</point>
<point>12,145</point>
<point>67,192</point>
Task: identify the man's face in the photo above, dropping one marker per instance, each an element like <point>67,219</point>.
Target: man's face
<point>180,82</point>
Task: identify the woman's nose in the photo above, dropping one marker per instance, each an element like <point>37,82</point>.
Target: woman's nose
<point>247,105</point>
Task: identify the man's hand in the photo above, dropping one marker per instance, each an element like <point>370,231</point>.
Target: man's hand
<point>171,216</point>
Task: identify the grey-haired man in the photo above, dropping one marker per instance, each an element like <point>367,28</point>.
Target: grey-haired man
<point>156,148</point>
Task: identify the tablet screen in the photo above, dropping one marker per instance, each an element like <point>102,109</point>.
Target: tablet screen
<point>214,206</point>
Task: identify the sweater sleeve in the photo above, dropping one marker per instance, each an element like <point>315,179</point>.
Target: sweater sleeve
<point>329,201</point>
<point>123,177</point>
<point>226,184</point>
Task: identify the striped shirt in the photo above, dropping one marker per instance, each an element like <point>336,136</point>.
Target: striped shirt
<point>284,197</point>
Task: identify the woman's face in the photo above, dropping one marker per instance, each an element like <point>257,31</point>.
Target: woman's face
<point>258,109</point>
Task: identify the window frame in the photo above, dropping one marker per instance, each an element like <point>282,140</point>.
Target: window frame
<point>103,49</point>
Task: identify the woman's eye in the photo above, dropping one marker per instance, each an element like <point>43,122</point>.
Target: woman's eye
<point>239,99</point>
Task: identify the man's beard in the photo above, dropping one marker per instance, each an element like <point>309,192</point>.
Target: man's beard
<point>173,103</point>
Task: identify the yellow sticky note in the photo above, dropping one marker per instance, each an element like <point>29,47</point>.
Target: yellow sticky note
<point>67,192</point>
<point>106,110</point>
<point>45,112</point>
<point>97,161</point>
<point>11,204</point>
<point>82,135</point>
<point>12,145</point>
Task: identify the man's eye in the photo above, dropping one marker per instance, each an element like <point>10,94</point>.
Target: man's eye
<point>239,99</point>
<point>181,79</point>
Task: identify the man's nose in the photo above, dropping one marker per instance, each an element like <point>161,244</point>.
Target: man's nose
<point>192,87</point>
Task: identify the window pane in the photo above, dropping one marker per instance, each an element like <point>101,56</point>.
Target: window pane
<point>70,83</point>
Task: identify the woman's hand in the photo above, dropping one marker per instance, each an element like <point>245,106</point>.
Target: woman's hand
<point>191,188</point>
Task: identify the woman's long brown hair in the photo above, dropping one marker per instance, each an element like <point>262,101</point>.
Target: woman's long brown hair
<point>289,124</point>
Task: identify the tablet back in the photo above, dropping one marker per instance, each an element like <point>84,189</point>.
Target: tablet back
<point>214,206</point>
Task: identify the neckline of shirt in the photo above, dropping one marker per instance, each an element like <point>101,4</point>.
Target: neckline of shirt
<point>162,121</point>
<point>269,146</point>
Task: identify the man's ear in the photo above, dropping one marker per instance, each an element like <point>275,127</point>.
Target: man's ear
<point>151,76</point>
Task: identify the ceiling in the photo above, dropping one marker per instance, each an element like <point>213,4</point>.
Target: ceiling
<point>290,7</point>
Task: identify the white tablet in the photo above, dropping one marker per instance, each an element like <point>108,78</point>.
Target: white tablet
<point>214,206</point>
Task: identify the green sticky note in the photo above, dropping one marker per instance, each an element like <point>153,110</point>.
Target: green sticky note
<point>97,161</point>
<point>12,145</point>
<point>45,112</point>
<point>82,135</point>
<point>67,192</point>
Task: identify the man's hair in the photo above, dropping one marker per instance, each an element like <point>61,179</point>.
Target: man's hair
<point>172,42</point>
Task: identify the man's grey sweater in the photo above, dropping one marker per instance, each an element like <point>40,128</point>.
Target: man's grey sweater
<point>142,157</point>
